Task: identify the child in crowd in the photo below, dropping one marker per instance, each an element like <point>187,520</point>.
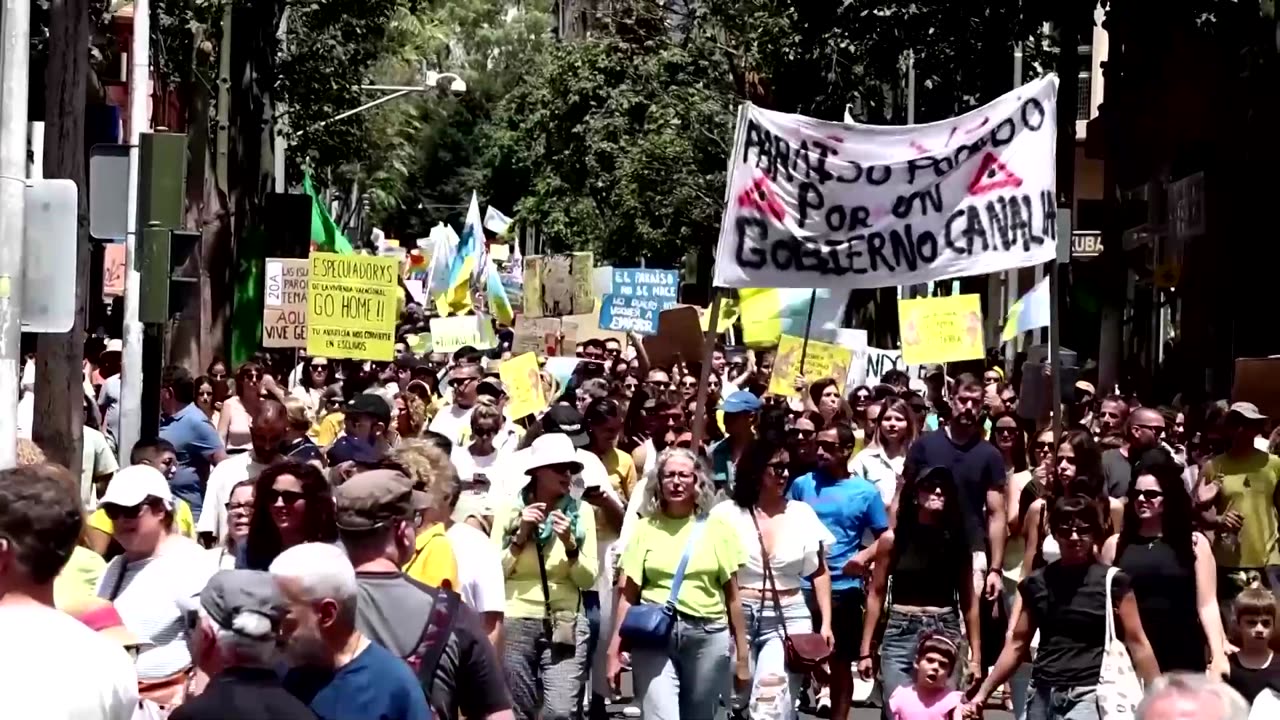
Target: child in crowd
<point>1253,669</point>
<point>929,696</point>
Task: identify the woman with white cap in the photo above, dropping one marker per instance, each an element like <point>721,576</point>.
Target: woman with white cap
<point>158,571</point>
<point>546,538</point>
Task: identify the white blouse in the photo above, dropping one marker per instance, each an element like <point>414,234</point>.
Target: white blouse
<point>797,543</point>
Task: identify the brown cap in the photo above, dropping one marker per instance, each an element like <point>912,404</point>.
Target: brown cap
<point>372,499</point>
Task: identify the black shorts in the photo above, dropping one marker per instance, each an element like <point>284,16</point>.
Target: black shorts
<point>846,620</point>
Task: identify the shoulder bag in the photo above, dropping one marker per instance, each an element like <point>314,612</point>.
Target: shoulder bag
<point>647,626</point>
<point>560,628</point>
<point>805,653</point>
<point>1119,691</point>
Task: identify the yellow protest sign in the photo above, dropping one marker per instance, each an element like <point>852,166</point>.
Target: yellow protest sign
<point>458,331</point>
<point>352,306</point>
<point>941,329</point>
<point>524,385</point>
<point>820,360</point>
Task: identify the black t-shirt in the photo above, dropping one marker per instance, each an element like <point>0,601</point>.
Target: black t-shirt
<point>977,467</point>
<point>393,611</point>
<point>1068,605</point>
<point>1249,682</point>
<point>244,694</point>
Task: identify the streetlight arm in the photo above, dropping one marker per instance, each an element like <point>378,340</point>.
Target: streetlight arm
<point>366,106</point>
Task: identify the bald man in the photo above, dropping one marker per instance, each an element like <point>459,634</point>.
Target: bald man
<point>1143,430</point>
<point>1191,696</point>
<point>267,435</point>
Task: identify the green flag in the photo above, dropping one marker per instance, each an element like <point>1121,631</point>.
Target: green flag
<point>326,236</point>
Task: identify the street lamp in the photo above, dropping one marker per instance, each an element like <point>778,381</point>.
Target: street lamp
<point>431,80</point>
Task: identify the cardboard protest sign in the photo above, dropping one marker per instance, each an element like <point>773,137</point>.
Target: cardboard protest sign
<point>558,285</point>
<point>113,267</point>
<point>521,377</point>
<point>878,362</point>
<point>284,304</point>
<point>419,344</point>
<point>1257,380</point>
<point>586,327</point>
<point>821,360</point>
<point>458,331</point>
<point>941,329</point>
<point>679,333</point>
<point>352,306</point>
<point>638,296</point>
<point>537,335</point>
<point>817,204</point>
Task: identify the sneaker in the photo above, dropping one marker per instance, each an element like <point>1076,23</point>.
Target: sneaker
<point>823,707</point>
<point>631,711</point>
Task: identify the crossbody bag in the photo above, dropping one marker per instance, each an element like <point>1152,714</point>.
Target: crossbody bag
<point>648,625</point>
<point>805,653</point>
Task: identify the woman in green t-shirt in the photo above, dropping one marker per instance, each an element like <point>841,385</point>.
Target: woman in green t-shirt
<point>684,681</point>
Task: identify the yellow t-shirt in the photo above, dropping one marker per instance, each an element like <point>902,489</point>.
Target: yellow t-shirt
<point>79,577</point>
<point>1249,488</point>
<point>433,562</point>
<point>328,429</point>
<point>183,521</point>
<point>622,476</point>
<point>653,553</point>
<point>566,580</point>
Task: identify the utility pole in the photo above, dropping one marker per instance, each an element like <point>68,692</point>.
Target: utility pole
<point>59,407</point>
<point>131,374</point>
<point>14,84</point>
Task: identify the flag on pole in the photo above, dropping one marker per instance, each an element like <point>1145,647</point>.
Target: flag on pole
<point>768,314</point>
<point>495,222</point>
<point>1030,312</point>
<point>467,266</point>
<point>326,236</point>
<point>496,296</point>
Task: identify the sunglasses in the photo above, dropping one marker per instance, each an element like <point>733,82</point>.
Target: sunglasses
<point>861,397</point>
<point>289,497</point>
<point>1149,494</point>
<point>319,367</point>
<point>780,469</point>
<point>251,375</point>
<point>688,383</point>
<point>801,434</point>
<point>1006,430</point>
<point>483,433</point>
<point>830,446</point>
<point>459,382</point>
<point>1041,446</point>
<point>562,468</point>
<point>1066,531</point>
<point>120,512</point>
<point>660,383</point>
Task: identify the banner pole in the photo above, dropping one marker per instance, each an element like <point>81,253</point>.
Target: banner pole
<point>1055,352</point>
<point>804,348</point>
<point>709,346</point>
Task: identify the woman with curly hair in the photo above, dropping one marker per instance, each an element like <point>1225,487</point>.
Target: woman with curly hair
<point>292,504</point>
<point>684,679</point>
<point>411,415</point>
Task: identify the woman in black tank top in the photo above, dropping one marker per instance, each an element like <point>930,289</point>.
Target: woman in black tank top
<point>928,557</point>
<point>1171,568</point>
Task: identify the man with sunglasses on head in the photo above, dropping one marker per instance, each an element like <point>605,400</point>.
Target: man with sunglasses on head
<point>849,507</point>
<point>442,638</point>
<point>1144,429</point>
<point>454,419</point>
<point>266,436</point>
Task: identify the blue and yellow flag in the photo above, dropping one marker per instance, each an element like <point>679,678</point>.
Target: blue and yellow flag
<point>467,265</point>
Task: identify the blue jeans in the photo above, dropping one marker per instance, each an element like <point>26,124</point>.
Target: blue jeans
<point>773,689</point>
<point>684,681</point>
<point>1073,703</point>
<point>902,636</point>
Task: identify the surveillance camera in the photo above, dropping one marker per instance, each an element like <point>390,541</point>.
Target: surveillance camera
<point>458,86</point>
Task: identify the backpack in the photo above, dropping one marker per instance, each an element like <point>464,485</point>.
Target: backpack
<point>425,657</point>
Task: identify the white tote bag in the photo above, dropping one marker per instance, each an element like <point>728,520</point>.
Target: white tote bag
<point>1119,691</point>
<point>1266,706</point>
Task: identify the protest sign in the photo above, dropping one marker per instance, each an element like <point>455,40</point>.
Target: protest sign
<point>458,331</point>
<point>941,329</point>
<point>352,306</point>
<point>558,285</point>
<point>679,333</point>
<point>1257,380</point>
<point>537,335</point>
<point>521,377</point>
<point>878,362</point>
<point>821,360</point>
<point>816,204</point>
<point>585,327</point>
<point>284,305</point>
<point>637,298</point>
<point>418,344</point>
<point>113,265</point>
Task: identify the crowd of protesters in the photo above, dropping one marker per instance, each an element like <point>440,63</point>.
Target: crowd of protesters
<point>312,537</point>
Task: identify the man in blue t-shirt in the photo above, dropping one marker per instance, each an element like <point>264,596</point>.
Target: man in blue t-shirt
<point>849,507</point>
<point>195,441</point>
<point>336,670</point>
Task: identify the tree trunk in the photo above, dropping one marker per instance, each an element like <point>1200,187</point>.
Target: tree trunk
<point>59,406</point>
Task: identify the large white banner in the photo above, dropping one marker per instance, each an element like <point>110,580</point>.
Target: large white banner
<point>817,204</point>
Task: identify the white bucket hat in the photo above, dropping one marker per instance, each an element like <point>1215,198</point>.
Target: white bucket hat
<point>552,449</point>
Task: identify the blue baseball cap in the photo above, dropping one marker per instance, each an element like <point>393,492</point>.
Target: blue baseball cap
<point>741,401</point>
<point>350,449</point>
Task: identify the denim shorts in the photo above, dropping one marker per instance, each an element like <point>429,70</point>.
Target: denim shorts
<point>1071,703</point>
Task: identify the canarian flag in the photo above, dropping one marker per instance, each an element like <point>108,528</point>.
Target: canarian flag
<point>468,265</point>
<point>1029,313</point>
<point>495,222</point>
<point>496,295</point>
<point>444,245</point>
<point>768,314</point>
<point>326,236</point>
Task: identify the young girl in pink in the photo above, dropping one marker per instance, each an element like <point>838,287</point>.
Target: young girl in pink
<point>929,697</point>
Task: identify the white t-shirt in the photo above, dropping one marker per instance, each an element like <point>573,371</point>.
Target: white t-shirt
<point>796,545</point>
<point>468,464</point>
<point>880,470</point>
<point>96,458</point>
<point>54,666</point>
<point>151,599</point>
<point>451,421</point>
<point>483,586</point>
<point>222,479</point>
